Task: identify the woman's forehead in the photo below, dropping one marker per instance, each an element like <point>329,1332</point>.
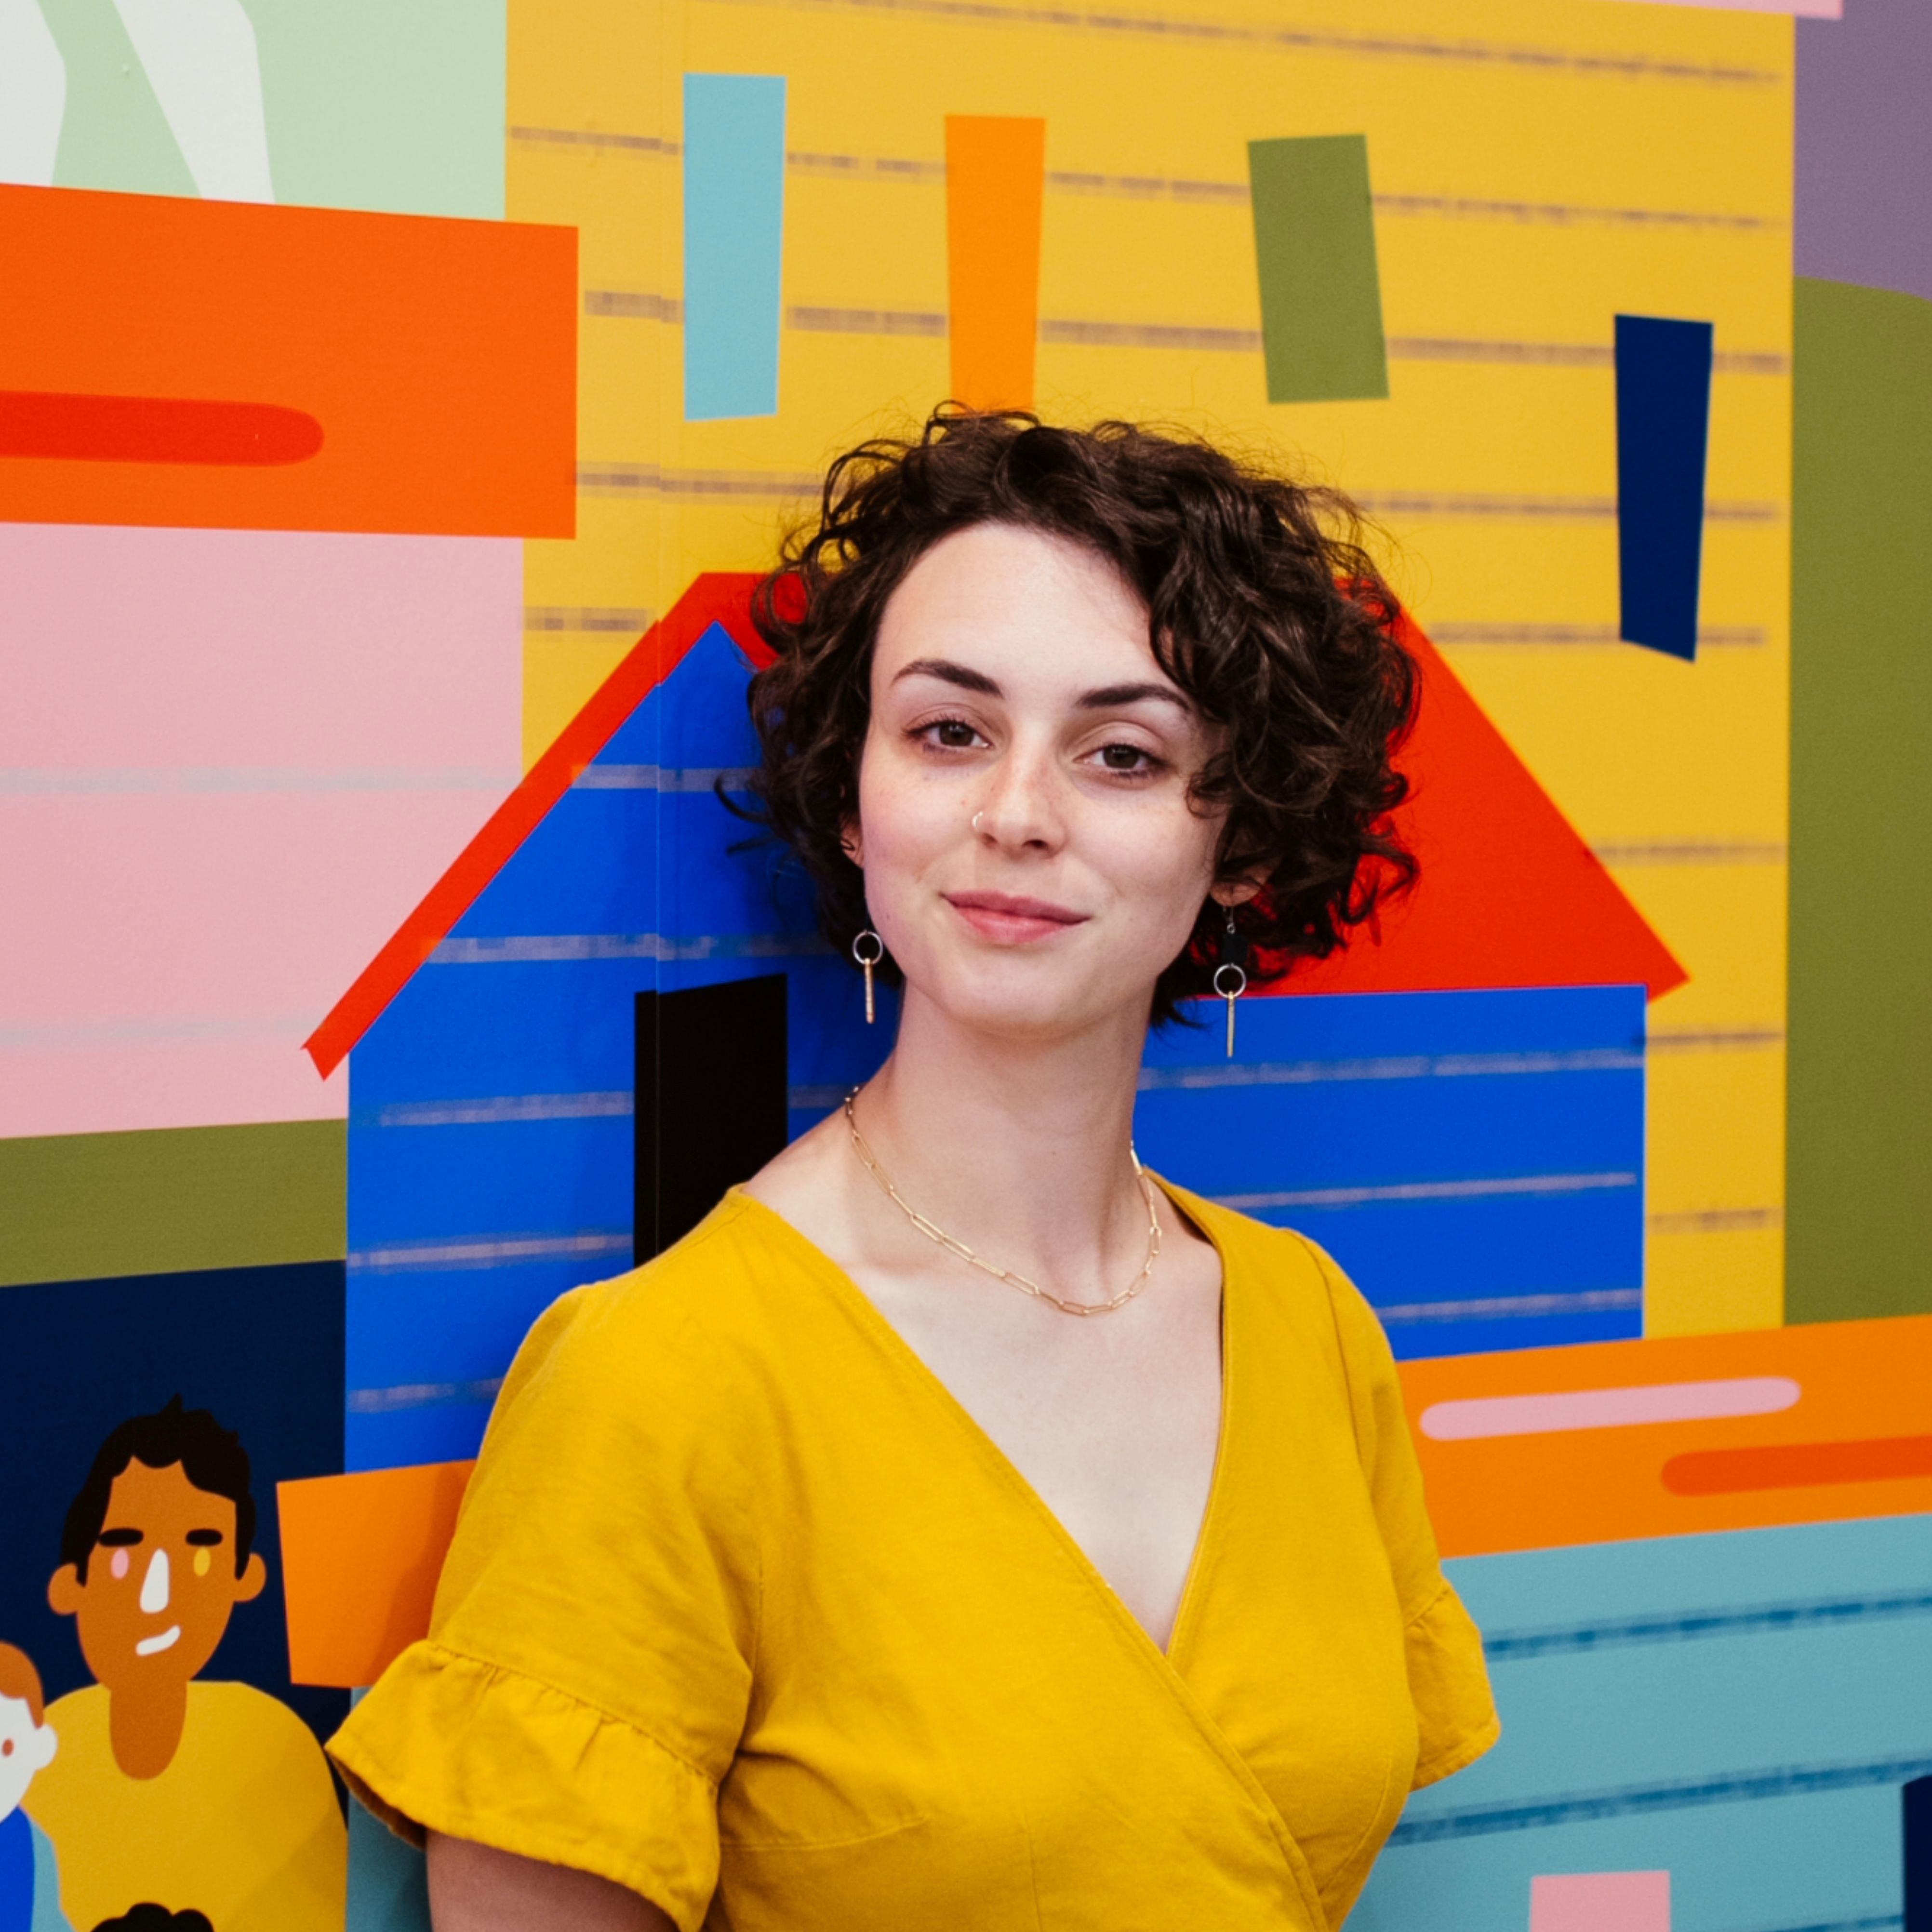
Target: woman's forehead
<point>1025,608</point>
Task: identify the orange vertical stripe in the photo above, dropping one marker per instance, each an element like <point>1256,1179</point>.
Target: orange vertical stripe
<point>995,183</point>
<point>361,1555</point>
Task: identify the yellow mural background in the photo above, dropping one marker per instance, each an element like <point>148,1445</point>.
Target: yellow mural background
<point>1537,168</point>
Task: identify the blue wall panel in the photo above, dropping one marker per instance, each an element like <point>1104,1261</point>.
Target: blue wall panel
<point>1738,1709</point>
<point>490,1121</point>
<point>1475,1160</point>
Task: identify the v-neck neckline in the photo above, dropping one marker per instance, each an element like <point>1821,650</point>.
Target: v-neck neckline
<point>869,1316</point>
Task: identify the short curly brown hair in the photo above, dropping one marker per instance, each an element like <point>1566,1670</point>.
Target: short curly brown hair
<point>1263,607</point>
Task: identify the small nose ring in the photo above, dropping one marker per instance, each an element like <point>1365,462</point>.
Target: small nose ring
<point>976,817</point>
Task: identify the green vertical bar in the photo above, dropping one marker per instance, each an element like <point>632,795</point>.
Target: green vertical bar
<point>77,1207</point>
<point>1315,249</point>
<point>1858,1180</point>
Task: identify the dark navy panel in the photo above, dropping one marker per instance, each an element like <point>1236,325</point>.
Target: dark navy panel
<point>1474,1160</point>
<point>260,1347</point>
<point>1663,422</point>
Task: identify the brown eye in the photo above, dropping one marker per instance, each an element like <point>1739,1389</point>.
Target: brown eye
<point>955,735</point>
<point>1123,758</point>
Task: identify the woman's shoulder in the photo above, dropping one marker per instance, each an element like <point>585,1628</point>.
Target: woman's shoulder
<point>728,1300</point>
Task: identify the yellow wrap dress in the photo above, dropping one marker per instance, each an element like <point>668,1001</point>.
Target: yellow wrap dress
<point>745,1613</point>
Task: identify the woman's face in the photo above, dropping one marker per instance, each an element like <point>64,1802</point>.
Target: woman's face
<point>1032,860</point>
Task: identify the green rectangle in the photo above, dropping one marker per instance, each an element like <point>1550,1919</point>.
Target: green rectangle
<point>1315,249</point>
<point>77,1207</point>
<point>1858,1158</point>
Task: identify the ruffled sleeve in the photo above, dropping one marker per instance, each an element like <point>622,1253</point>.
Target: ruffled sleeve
<point>586,1679</point>
<point>1448,1681</point>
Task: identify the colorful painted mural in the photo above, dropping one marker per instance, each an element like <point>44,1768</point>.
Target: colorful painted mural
<point>396,405</point>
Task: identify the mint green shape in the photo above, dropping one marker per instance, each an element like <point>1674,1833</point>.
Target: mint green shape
<point>1859,1163</point>
<point>113,134</point>
<point>1314,253</point>
<point>393,105</point>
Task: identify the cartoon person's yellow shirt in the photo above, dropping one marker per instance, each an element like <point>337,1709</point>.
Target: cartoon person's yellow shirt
<point>243,1825</point>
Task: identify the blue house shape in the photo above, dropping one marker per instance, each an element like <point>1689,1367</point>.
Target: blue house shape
<point>1474,1159</point>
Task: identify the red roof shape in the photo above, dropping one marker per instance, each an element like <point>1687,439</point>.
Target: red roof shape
<point>1510,896</point>
<point>717,597</point>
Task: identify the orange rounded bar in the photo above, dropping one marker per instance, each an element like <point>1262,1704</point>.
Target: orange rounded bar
<point>153,429</point>
<point>1796,1465</point>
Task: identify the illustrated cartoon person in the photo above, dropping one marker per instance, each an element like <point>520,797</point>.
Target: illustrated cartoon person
<point>167,1791</point>
<point>29,1885</point>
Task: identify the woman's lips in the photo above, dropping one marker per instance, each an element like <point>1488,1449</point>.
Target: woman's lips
<point>1000,916</point>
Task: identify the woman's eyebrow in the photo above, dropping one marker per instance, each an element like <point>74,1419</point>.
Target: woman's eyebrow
<point>947,672</point>
<point>1110,696</point>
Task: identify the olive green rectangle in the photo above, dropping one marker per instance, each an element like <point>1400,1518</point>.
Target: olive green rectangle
<point>77,1207</point>
<point>1315,250</point>
<point>1859,1164</point>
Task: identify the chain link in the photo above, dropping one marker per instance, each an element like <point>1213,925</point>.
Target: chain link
<point>934,1233</point>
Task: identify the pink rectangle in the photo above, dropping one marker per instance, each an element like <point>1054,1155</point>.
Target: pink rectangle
<point>230,763</point>
<point>1600,1902</point>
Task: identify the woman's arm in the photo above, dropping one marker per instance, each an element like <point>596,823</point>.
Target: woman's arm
<point>474,1889</point>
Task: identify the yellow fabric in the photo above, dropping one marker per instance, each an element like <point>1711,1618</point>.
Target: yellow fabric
<point>244,1824</point>
<point>746,1613</point>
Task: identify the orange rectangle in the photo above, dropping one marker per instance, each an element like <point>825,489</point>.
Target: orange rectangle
<point>361,1555</point>
<point>226,365</point>
<point>995,186</point>
<point>1850,1443</point>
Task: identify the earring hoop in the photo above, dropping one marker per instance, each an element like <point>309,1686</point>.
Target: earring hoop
<point>1235,985</point>
<point>868,961</point>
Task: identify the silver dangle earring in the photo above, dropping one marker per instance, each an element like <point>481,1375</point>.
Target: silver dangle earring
<point>1230,980</point>
<point>870,959</point>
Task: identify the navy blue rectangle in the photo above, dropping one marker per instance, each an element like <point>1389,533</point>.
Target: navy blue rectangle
<point>261,1348</point>
<point>1474,1160</point>
<point>1663,423</point>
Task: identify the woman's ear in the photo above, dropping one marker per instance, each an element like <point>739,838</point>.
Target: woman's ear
<point>1235,891</point>
<point>852,845</point>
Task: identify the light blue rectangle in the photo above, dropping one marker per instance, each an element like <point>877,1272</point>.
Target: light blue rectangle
<point>1739,1708</point>
<point>734,243</point>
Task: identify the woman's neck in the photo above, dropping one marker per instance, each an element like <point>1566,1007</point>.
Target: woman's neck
<point>1020,1148</point>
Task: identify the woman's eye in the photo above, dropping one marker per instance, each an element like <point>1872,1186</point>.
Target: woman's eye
<point>952,734</point>
<point>1126,758</point>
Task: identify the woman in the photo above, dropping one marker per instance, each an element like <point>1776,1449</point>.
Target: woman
<point>961,1527</point>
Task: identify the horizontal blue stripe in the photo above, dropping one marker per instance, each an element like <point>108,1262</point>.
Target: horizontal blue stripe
<point>393,1442</point>
<point>1402,1254</point>
<point>1485,1188</point>
<point>479,1251</point>
<point>394,1400</point>
<point>1876,1921</point>
<point>1510,1307</point>
<point>1210,1076</point>
<point>1512,1646</point>
<point>574,948</point>
<point>1628,1801</point>
<point>603,777</point>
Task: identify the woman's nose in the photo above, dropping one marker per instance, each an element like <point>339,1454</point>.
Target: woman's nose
<point>1022,807</point>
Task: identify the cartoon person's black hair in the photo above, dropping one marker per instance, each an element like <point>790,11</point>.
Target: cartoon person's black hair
<point>210,1457</point>
<point>147,1918</point>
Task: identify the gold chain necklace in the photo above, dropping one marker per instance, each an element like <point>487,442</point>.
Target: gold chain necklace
<point>870,1162</point>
